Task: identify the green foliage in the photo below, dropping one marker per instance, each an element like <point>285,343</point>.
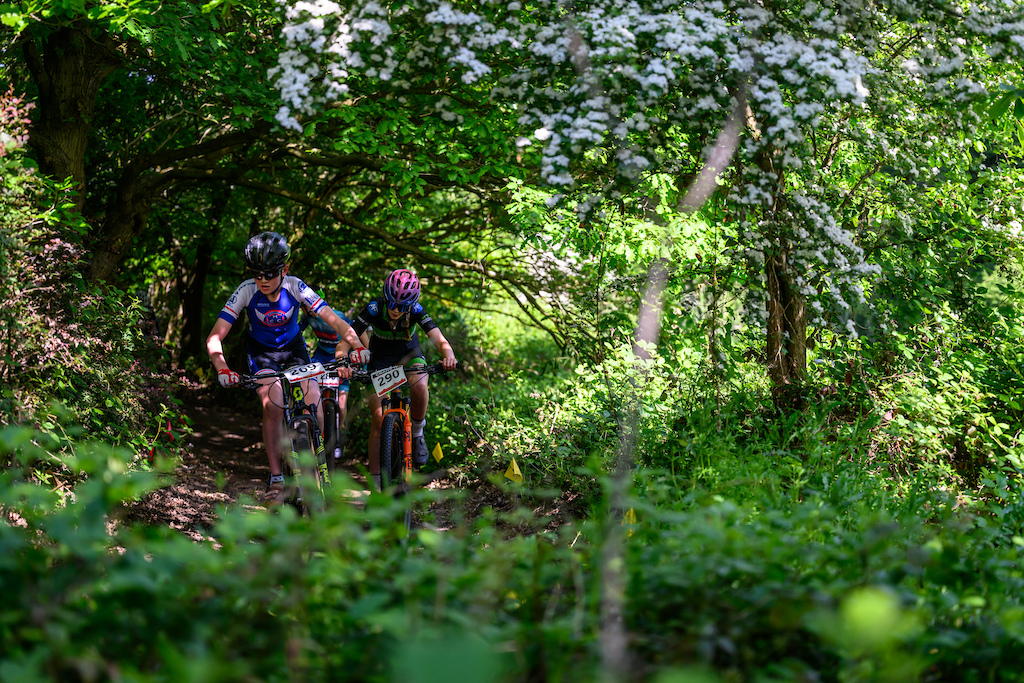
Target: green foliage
<point>862,525</point>
<point>846,583</point>
<point>76,361</point>
<point>81,348</point>
<point>949,395</point>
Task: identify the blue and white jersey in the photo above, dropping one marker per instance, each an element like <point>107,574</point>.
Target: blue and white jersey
<point>272,323</point>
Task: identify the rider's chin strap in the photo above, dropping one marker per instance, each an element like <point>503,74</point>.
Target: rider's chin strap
<point>279,285</point>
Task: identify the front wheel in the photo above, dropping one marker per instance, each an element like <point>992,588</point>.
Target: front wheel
<point>332,434</point>
<point>392,450</point>
<point>305,445</point>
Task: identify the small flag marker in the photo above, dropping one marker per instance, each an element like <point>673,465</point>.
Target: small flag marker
<point>513,472</point>
<point>437,452</point>
<point>630,519</point>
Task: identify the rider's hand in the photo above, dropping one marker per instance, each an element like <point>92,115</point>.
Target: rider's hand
<point>359,356</point>
<point>449,362</point>
<point>228,377</point>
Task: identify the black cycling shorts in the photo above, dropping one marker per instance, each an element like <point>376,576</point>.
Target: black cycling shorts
<point>270,358</point>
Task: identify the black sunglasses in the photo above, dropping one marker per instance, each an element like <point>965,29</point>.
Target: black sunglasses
<point>265,274</point>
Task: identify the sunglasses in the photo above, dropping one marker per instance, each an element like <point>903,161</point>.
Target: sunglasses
<point>401,308</point>
<point>265,274</point>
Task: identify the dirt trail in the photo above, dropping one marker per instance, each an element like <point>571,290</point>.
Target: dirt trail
<point>225,464</point>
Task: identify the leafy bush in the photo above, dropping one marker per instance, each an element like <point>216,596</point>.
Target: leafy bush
<point>849,583</point>
<point>74,355</point>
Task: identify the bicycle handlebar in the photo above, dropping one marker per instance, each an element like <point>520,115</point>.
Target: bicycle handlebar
<point>362,375</point>
<point>359,373</point>
<point>252,381</point>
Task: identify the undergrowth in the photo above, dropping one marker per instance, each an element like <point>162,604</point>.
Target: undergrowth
<point>868,530</point>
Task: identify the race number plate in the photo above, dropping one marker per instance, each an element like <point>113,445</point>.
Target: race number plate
<point>387,379</point>
<point>330,381</point>
<point>302,372</point>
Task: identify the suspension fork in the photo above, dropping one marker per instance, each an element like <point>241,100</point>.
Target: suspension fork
<point>403,412</point>
<point>297,399</point>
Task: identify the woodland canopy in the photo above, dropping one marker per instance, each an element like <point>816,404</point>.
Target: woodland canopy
<point>735,285</point>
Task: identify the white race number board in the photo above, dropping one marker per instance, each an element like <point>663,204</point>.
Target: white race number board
<point>386,379</point>
<point>302,372</point>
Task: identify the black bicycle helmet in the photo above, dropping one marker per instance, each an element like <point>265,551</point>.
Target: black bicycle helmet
<point>266,251</point>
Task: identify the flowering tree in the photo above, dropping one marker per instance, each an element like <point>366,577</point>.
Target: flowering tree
<point>817,106</point>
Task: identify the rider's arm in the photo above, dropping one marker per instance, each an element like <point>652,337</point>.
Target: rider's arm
<point>347,338</point>
<point>442,345</point>
<point>214,343</point>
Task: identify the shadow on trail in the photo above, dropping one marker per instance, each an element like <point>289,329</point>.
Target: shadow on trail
<point>223,462</point>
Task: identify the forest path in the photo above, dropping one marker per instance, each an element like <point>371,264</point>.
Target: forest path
<point>224,464</point>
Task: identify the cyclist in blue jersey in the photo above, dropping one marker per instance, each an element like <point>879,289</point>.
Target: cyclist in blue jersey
<point>271,300</point>
<point>326,345</point>
<point>387,325</point>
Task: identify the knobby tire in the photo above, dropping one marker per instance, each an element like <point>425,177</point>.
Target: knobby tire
<point>331,433</point>
<point>303,442</point>
<point>392,455</point>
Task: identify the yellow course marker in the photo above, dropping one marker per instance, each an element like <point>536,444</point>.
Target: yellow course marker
<point>513,472</point>
<point>437,452</point>
<point>630,519</point>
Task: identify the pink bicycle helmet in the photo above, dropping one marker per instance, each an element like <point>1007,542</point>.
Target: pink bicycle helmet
<point>401,290</point>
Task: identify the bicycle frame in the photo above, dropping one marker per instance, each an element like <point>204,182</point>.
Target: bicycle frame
<point>395,401</point>
<point>296,412</point>
<point>397,397</point>
<point>330,432</point>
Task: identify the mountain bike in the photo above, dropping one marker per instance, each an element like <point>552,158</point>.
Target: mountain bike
<point>335,434</point>
<point>306,457</point>
<point>396,468</point>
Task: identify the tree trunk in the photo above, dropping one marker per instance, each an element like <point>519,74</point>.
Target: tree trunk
<point>193,335</point>
<point>140,186</point>
<point>68,65</point>
<point>124,221</point>
<point>192,286</point>
<point>786,343</point>
<point>786,346</point>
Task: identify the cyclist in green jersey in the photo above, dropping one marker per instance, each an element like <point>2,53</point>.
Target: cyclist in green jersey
<point>387,325</point>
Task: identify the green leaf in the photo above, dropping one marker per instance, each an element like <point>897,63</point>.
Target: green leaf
<point>1001,105</point>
